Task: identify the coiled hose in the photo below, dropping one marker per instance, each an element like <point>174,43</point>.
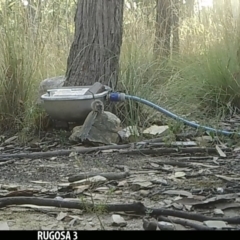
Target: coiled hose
<point>117,97</point>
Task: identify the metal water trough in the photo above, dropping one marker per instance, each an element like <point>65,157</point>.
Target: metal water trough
<point>71,104</point>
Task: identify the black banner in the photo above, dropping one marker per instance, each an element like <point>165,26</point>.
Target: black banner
<point>42,235</point>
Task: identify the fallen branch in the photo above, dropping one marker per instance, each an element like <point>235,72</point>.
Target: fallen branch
<point>188,175</point>
<point>184,223</point>
<point>134,148</point>
<point>109,176</point>
<point>160,151</point>
<point>33,155</point>
<point>137,208</point>
<point>193,158</point>
<point>172,163</point>
<point>6,163</point>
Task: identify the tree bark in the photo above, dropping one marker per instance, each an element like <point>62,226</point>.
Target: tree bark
<point>190,7</point>
<point>94,54</point>
<point>163,28</point>
<point>175,24</point>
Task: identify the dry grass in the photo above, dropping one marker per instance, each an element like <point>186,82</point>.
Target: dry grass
<point>33,45</point>
<point>203,80</point>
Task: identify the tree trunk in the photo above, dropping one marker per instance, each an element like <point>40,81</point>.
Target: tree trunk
<point>163,28</point>
<point>94,54</point>
<point>228,9</point>
<point>190,7</point>
<point>175,24</point>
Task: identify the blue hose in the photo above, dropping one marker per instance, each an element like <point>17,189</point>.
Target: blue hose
<point>117,97</point>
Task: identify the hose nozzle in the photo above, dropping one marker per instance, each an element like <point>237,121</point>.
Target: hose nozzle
<point>116,97</point>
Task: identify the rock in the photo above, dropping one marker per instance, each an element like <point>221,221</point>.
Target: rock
<point>123,183</point>
<point>140,185</point>
<point>61,216</point>
<point>215,224</point>
<point>165,226</point>
<point>156,130</point>
<point>49,83</point>
<point>4,226</point>
<point>75,134</point>
<point>149,225</point>
<point>144,193</point>
<point>128,133</point>
<point>218,212</point>
<point>103,131</point>
<point>118,221</point>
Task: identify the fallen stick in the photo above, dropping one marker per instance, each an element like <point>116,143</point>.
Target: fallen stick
<point>137,208</point>
<point>6,163</point>
<point>133,148</point>
<point>173,163</point>
<point>160,151</point>
<point>184,223</point>
<point>5,157</point>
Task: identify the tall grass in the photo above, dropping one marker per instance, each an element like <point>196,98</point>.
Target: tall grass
<point>141,74</point>
<point>209,67</point>
<point>203,80</point>
<point>30,50</point>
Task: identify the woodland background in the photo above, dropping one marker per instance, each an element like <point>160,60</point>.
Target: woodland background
<point>198,76</point>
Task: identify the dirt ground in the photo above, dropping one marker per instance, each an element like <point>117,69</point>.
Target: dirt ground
<point>169,182</point>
